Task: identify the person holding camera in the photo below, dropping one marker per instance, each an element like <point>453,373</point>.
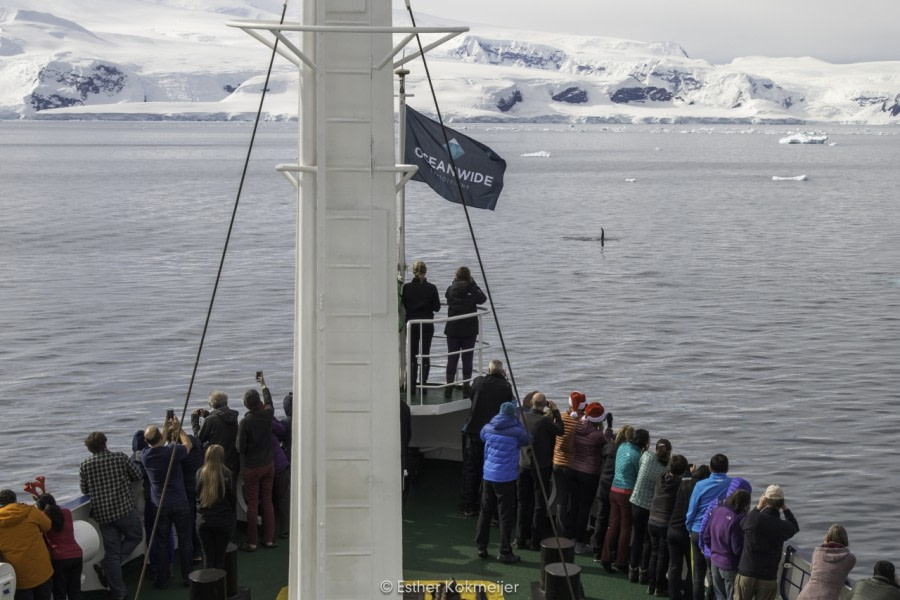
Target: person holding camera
<point>173,508</point>
<point>254,443</point>
<point>765,533</point>
<point>220,426</point>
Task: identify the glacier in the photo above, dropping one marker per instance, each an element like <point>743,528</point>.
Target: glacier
<point>174,60</point>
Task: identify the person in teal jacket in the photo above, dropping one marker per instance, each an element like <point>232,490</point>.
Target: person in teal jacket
<point>618,536</point>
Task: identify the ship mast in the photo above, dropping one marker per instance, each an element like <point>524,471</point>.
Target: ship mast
<point>346,527</point>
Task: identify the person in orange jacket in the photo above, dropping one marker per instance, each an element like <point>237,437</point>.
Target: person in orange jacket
<point>22,528</point>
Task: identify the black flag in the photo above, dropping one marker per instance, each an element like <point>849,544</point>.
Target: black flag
<point>480,169</point>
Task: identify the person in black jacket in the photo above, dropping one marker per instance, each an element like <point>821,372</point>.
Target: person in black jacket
<point>544,423</point>
<point>463,296</point>
<point>220,426</point>
<point>678,537</point>
<point>765,533</point>
<point>488,393</point>
<point>661,508</point>
<point>254,443</point>
<point>216,505</point>
<point>420,301</point>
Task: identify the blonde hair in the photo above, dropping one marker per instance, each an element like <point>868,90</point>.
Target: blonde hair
<point>212,476</point>
<point>837,533</point>
<point>419,269</point>
<point>625,433</point>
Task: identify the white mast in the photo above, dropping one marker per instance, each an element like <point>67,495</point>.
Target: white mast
<point>346,528</point>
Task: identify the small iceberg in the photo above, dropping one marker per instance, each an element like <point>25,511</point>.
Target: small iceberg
<point>793,178</point>
<point>630,180</point>
<point>803,138</point>
<point>538,154</point>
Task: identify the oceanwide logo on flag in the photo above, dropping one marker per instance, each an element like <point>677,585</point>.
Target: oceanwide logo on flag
<point>479,169</point>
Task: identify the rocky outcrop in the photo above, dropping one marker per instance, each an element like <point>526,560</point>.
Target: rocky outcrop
<point>572,95</point>
<point>505,103</point>
<point>641,94</point>
<point>62,84</point>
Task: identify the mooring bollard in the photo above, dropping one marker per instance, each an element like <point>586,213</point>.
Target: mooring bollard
<point>208,584</point>
<point>558,578</point>
<point>550,551</point>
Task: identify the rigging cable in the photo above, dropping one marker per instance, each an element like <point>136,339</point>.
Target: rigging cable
<point>212,300</point>
<point>487,287</point>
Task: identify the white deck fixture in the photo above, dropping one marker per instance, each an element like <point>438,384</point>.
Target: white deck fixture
<point>346,528</point>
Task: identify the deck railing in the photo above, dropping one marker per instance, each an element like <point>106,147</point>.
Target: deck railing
<point>418,391</point>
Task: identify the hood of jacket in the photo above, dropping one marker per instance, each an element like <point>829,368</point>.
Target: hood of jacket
<point>738,483</point>
<point>833,553</point>
<point>13,514</point>
<point>500,422</point>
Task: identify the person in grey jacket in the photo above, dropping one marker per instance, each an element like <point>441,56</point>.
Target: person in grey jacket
<point>882,586</point>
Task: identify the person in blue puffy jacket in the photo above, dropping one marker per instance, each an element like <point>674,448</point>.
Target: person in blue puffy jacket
<point>502,437</point>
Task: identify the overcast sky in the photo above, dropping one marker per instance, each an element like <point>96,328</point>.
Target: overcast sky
<point>839,31</point>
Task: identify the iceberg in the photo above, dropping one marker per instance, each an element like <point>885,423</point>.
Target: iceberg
<point>538,154</point>
<point>792,178</point>
<point>803,138</point>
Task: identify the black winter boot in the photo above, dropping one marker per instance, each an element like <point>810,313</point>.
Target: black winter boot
<point>632,574</point>
<point>644,576</point>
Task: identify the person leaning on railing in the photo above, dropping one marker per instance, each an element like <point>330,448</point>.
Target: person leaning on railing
<point>463,297</point>
<point>420,301</point>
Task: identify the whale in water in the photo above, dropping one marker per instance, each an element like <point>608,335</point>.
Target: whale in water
<point>588,238</point>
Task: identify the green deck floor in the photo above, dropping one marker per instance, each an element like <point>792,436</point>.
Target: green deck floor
<point>438,543</point>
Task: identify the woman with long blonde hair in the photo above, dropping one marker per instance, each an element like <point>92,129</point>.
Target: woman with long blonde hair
<point>215,507</point>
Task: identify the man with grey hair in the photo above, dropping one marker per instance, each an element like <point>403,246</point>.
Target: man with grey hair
<point>543,423</point>
<point>488,393</point>
<point>220,426</point>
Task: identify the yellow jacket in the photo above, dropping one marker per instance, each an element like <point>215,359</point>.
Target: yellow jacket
<point>22,528</point>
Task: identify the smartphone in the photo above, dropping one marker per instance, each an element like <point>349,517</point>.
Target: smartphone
<point>258,375</point>
<point>170,414</point>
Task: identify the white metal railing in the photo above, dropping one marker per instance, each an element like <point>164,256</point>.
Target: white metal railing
<point>477,366</point>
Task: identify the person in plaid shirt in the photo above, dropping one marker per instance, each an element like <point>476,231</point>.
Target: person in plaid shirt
<point>108,478</point>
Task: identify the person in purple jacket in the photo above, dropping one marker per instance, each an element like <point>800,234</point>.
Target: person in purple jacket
<point>502,437</point>
<point>724,537</point>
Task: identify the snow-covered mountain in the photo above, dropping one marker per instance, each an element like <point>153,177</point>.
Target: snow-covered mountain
<point>176,59</point>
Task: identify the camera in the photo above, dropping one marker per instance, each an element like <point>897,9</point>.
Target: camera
<point>258,375</point>
<point>170,414</point>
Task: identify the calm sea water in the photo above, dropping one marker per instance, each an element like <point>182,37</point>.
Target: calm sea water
<point>726,311</point>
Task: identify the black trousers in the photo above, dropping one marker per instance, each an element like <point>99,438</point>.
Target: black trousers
<point>67,578</point>
<point>640,543</point>
<point>214,543</point>
<point>426,332</point>
<point>679,553</point>
<point>473,466</point>
<point>500,499</point>
<point>532,505</point>
<point>659,555</point>
<point>601,523</point>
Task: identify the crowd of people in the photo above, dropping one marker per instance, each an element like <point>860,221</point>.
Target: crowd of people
<point>196,497</point>
<point>686,531</point>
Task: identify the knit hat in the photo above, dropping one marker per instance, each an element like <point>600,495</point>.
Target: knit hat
<point>7,497</point>
<point>595,413</point>
<point>508,408</point>
<point>774,492</point>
